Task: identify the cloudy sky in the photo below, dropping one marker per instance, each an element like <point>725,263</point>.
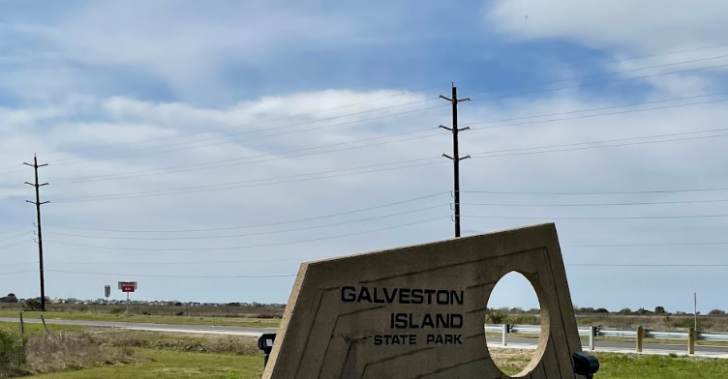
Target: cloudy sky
<point>206,150</point>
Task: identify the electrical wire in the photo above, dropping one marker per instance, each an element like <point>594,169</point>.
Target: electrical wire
<point>176,276</point>
<point>670,244</point>
<point>277,156</point>
<point>14,230</point>
<point>260,137</point>
<point>13,245</point>
<point>127,263</point>
<point>429,196</point>
<point>23,234</point>
<point>489,154</point>
<point>645,265</point>
<point>673,217</point>
<point>560,80</point>
<point>245,161</point>
<point>299,259</point>
<point>16,272</point>
<point>245,184</point>
<point>591,193</point>
<point>252,234</point>
<point>259,245</point>
<point>294,275</point>
<point>601,204</point>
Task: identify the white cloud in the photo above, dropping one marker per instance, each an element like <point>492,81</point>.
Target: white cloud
<point>646,166</point>
<point>648,26</point>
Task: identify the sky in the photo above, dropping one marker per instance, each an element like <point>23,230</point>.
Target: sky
<point>205,150</point>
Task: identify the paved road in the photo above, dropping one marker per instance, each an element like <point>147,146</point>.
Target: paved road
<point>255,332</point>
<point>168,328</point>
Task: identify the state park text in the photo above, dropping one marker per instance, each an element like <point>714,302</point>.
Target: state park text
<point>434,321</point>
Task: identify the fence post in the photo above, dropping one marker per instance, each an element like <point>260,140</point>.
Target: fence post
<point>44,324</point>
<point>592,333</point>
<point>504,339</point>
<point>640,338</point>
<point>22,324</point>
<point>691,340</point>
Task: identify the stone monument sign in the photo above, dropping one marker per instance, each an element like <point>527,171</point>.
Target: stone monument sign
<point>419,311</point>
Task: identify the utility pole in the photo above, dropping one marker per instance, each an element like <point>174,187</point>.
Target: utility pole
<point>38,203</point>
<point>695,309</point>
<point>456,154</point>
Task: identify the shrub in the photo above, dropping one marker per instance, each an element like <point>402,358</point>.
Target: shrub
<point>625,311</point>
<point>115,311</point>
<point>716,312</point>
<point>495,317</point>
<point>12,356</point>
<point>11,298</point>
<point>32,305</point>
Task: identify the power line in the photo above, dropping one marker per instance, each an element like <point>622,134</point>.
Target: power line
<point>408,93</point>
<point>262,225</point>
<point>645,265</point>
<point>23,234</point>
<point>601,204</point>
<point>667,244</point>
<point>127,263</point>
<point>560,80</point>
<point>522,152</point>
<point>263,136</point>
<point>14,230</point>
<point>276,157</point>
<point>248,160</point>
<point>253,234</point>
<point>13,245</point>
<point>37,204</point>
<point>489,154</point>
<point>589,193</point>
<point>297,259</point>
<point>177,276</point>
<point>259,245</point>
<point>673,217</point>
<point>15,272</point>
<point>243,183</point>
<point>615,72</point>
<point>294,275</point>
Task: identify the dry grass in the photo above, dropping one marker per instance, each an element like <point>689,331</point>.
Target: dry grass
<point>177,342</point>
<point>256,312</point>
<point>58,351</point>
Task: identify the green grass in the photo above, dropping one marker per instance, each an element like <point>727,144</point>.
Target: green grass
<point>172,365</point>
<point>183,320</point>
<point>153,364</point>
<point>37,328</point>
<point>632,366</point>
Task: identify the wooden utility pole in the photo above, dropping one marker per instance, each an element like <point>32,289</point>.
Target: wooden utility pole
<point>38,203</point>
<point>456,153</point>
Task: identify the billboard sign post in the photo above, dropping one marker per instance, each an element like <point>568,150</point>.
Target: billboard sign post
<point>127,287</point>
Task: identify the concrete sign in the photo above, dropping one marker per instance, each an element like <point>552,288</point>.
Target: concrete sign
<point>419,311</point>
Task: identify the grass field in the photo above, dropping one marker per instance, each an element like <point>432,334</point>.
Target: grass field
<point>220,321</point>
<point>162,356</point>
<point>155,364</point>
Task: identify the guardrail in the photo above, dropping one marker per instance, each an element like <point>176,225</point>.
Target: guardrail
<point>690,336</point>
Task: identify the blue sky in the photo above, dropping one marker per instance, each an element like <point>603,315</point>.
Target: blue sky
<point>146,114</point>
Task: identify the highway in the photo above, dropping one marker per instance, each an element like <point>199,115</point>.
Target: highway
<point>255,332</point>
